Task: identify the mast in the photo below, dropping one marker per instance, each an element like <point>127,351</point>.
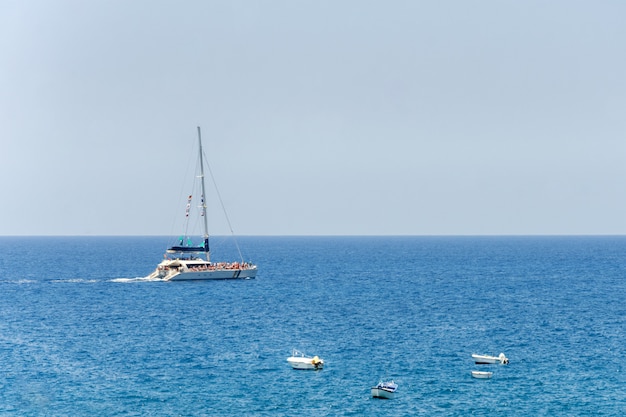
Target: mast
<point>203,201</point>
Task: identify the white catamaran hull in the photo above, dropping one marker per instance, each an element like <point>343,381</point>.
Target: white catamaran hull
<point>205,275</point>
<point>175,271</point>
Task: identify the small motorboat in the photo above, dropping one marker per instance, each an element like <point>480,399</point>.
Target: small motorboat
<point>486,359</point>
<point>298,360</point>
<point>384,389</point>
<point>482,374</point>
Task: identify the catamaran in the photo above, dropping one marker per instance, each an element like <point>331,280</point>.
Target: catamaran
<point>184,261</point>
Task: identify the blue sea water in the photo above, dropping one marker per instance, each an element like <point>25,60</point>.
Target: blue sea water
<point>82,334</point>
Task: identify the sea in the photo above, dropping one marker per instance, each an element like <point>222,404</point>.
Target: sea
<point>83,333</point>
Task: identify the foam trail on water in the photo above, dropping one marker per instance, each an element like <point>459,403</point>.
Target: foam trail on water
<point>137,279</point>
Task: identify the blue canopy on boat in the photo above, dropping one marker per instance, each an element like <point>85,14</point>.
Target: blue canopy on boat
<point>189,247</point>
<point>186,249</point>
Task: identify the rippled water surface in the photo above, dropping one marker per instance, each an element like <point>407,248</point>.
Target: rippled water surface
<point>82,334</point>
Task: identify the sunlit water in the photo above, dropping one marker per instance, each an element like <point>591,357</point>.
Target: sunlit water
<point>83,333</point>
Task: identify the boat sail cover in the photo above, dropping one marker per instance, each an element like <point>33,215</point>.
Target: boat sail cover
<point>189,247</point>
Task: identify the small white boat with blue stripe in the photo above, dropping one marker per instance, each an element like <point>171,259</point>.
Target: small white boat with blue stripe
<point>385,390</point>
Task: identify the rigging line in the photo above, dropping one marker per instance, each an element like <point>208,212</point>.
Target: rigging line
<point>184,184</point>
<point>219,197</point>
<point>191,208</point>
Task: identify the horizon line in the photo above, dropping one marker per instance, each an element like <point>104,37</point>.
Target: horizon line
<point>344,235</point>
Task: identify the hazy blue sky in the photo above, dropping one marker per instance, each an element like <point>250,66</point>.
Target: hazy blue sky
<point>318,117</point>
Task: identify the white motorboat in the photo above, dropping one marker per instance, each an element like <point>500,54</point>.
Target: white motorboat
<point>482,374</point>
<point>486,359</point>
<point>384,389</point>
<point>183,260</point>
<point>299,360</point>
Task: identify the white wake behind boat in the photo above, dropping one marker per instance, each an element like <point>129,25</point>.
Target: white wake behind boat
<point>486,359</point>
<point>385,390</point>
<point>298,360</point>
<point>482,374</point>
<point>183,261</point>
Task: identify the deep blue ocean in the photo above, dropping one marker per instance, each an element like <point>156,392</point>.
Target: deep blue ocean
<point>81,334</point>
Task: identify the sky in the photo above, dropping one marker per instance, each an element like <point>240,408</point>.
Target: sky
<point>321,117</point>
